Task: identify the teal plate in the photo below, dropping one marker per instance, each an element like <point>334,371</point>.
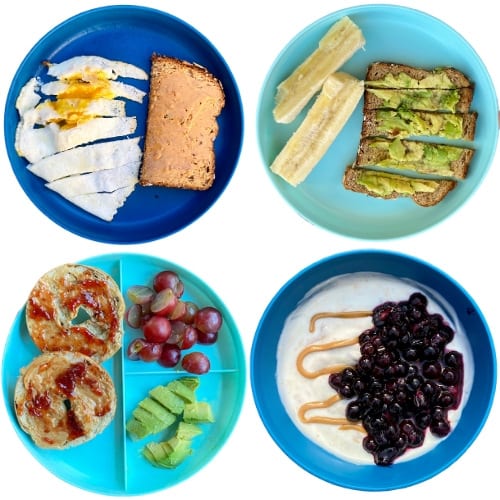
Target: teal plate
<point>394,34</point>
<point>111,463</point>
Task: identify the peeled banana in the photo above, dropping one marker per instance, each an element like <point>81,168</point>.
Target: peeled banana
<point>341,41</point>
<point>327,116</point>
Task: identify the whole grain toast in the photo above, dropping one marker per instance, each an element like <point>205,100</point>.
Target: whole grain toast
<point>185,100</point>
<point>375,124</point>
<point>419,156</point>
<point>379,69</point>
<point>422,198</point>
<point>443,100</point>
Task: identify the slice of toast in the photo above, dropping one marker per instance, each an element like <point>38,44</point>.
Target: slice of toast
<point>394,75</point>
<point>419,156</point>
<point>405,123</point>
<point>388,186</point>
<point>185,100</point>
<point>443,100</point>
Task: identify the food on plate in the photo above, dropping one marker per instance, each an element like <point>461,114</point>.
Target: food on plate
<point>418,121</point>
<point>403,122</point>
<point>323,122</point>
<point>373,368</point>
<point>441,100</point>
<point>77,308</point>
<point>338,45</point>
<point>423,157</point>
<point>64,399</point>
<point>382,74</point>
<point>90,158</point>
<point>170,324</point>
<point>87,68</point>
<point>69,115</point>
<point>388,186</point>
<point>185,100</point>
<point>174,410</point>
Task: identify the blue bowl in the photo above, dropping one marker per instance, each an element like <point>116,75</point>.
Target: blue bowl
<point>320,462</point>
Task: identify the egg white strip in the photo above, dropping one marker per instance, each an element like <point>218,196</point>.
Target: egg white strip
<point>28,97</point>
<point>37,143</point>
<point>70,109</point>
<point>90,158</point>
<point>118,89</point>
<point>84,67</point>
<point>103,205</point>
<point>102,181</point>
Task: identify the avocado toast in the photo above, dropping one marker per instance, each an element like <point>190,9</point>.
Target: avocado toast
<point>416,133</point>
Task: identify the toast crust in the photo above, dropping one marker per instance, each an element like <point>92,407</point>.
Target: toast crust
<point>185,100</point>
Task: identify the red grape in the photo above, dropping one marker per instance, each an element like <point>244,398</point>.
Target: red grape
<point>140,294</point>
<point>134,316</point>
<point>168,279</point>
<point>164,302</point>
<point>134,348</point>
<point>208,319</point>
<point>189,338</point>
<point>207,337</point>
<point>170,355</point>
<point>196,362</point>
<point>157,329</point>
<point>150,352</point>
<point>191,309</point>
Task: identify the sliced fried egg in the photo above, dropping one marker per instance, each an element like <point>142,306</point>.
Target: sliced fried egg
<point>70,112</point>
<point>89,158</point>
<point>102,181</point>
<point>88,67</point>
<point>103,205</point>
<point>37,143</point>
<point>108,89</point>
<point>28,97</point>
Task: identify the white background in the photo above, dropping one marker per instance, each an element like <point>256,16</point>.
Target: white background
<point>249,244</point>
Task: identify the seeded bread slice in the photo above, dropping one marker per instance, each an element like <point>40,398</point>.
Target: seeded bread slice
<point>378,70</point>
<point>441,187</point>
<point>419,156</point>
<point>445,100</point>
<point>185,100</point>
<point>406,123</point>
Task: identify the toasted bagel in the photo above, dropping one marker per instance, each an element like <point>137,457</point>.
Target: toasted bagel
<point>76,308</point>
<point>64,399</point>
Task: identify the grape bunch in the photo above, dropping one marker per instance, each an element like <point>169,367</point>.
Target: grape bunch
<point>170,325</point>
<point>405,381</point>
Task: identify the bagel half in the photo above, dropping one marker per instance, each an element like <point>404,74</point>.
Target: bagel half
<point>64,399</point>
<point>76,308</point>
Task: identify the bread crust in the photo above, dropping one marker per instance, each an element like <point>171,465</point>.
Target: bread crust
<point>77,308</point>
<point>377,70</point>
<point>185,100</point>
<point>424,199</point>
<point>64,399</point>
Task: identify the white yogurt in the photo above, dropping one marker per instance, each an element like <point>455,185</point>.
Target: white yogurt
<point>350,292</point>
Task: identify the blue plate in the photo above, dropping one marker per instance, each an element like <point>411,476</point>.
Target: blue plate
<point>395,34</point>
<point>111,463</point>
<point>131,34</point>
<point>315,459</point>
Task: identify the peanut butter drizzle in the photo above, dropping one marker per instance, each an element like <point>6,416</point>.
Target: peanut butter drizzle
<point>336,344</point>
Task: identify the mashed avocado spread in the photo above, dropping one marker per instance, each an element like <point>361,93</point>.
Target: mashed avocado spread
<point>418,99</point>
<point>437,80</point>
<point>384,184</point>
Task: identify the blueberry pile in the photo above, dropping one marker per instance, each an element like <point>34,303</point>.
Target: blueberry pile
<point>405,381</point>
